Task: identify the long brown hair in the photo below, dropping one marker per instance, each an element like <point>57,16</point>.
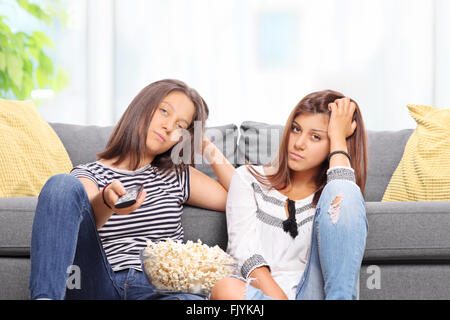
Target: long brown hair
<point>129,136</point>
<point>314,103</point>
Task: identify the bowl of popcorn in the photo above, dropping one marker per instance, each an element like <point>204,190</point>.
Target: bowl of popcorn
<point>191,267</point>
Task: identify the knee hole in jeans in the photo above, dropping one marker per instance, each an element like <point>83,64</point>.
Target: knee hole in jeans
<point>335,207</point>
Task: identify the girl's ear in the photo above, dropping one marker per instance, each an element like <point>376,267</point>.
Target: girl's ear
<point>352,128</point>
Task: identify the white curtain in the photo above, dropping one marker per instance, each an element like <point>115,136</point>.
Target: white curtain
<point>255,59</point>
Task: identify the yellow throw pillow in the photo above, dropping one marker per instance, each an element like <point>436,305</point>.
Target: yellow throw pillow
<point>423,173</point>
<point>30,151</point>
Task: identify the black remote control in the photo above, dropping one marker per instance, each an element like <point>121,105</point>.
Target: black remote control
<point>129,198</point>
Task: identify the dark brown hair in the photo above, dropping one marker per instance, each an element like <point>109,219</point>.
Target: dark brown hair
<point>314,103</point>
<point>129,136</point>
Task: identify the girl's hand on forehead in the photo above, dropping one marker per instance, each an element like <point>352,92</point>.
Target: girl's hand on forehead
<point>341,124</point>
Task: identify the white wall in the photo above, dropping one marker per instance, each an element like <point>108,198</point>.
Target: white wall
<point>442,54</point>
<point>379,52</point>
<point>255,59</point>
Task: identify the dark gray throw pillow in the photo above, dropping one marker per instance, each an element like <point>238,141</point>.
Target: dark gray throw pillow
<point>259,142</point>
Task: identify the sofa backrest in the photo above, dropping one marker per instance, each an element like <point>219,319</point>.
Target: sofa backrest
<point>82,143</point>
<point>259,142</point>
<point>255,142</point>
<point>385,150</point>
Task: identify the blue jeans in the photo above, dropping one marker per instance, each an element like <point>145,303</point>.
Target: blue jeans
<point>337,247</point>
<point>67,256</point>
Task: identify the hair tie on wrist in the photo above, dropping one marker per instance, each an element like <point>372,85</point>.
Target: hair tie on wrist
<point>339,151</point>
<point>103,196</point>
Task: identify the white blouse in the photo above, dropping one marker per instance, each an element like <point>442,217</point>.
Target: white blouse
<point>255,232</point>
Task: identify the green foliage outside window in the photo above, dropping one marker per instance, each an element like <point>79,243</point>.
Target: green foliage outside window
<point>24,64</point>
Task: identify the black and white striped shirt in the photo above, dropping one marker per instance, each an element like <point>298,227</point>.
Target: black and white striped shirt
<point>158,218</point>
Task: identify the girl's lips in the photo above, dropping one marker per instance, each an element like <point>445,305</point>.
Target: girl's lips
<point>160,137</point>
<point>296,156</point>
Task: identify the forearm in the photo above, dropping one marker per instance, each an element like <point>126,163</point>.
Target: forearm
<point>219,163</point>
<point>339,159</point>
<point>101,212</point>
<point>265,282</point>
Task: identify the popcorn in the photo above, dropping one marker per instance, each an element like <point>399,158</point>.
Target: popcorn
<point>187,267</point>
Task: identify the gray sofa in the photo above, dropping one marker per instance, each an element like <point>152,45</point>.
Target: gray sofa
<point>408,246</point>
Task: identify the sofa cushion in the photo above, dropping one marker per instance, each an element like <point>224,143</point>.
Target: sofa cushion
<point>30,151</point>
<point>423,173</point>
<point>16,221</point>
<point>408,231</point>
<point>208,226</point>
<point>409,281</point>
<point>14,277</point>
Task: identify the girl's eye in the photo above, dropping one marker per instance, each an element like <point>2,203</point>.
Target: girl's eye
<point>295,129</point>
<point>180,126</point>
<point>163,111</point>
<point>316,137</point>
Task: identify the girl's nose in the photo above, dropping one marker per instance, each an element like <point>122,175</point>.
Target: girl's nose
<point>300,143</point>
<point>168,125</point>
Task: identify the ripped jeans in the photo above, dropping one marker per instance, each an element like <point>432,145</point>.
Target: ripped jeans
<point>337,246</point>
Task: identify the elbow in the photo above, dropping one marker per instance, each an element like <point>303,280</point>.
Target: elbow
<point>98,224</point>
<point>220,205</point>
<point>223,204</point>
<point>224,207</point>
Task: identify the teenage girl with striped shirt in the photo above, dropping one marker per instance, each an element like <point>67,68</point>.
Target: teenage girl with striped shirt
<point>77,229</point>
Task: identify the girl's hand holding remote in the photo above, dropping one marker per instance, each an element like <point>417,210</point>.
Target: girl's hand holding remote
<point>114,191</point>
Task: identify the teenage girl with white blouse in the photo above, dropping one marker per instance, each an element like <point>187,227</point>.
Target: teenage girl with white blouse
<point>297,227</point>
